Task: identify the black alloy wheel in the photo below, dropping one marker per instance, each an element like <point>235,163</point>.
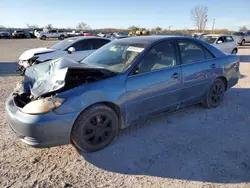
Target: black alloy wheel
<point>95,128</point>
<point>215,94</point>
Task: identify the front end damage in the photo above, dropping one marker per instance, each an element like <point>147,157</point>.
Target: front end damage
<point>44,81</point>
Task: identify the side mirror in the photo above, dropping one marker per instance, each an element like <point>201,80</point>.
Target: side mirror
<point>71,49</point>
<point>219,42</point>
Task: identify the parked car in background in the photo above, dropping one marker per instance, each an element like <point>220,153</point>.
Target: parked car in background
<point>242,37</point>
<point>197,35</point>
<point>75,48</point>
<point>224,42</point>
<point>126,81</point>
<point>53,33</point>
<point>19,34</point>
<point>37,31</point>
<point>101,34</point>
<point>86,34</point>
<point>73,34</point>
<point>4,35</point>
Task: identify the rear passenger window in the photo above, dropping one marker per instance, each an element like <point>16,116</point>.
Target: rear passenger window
<point>98,43</point>
<point>229,39</point>
<point>192,52</point>
<point>82,45</point>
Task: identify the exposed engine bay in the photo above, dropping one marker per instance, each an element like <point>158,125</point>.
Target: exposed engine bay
<point>47,79</point>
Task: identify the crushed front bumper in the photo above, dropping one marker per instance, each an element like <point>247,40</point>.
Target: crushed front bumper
<point>45,130</point>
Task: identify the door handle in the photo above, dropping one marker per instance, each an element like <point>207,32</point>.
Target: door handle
<point>213,66</point>
<point>175,75</point>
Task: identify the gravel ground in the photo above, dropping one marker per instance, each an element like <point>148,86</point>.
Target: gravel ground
<point>195,147</point>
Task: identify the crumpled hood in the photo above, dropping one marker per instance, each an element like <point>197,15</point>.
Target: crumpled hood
<point>52,76</point>
<point>30,53</point>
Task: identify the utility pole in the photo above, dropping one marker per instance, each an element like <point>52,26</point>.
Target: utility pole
<point>213,25</point>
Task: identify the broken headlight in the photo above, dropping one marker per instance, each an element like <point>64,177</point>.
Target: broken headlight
<point>41,106</point>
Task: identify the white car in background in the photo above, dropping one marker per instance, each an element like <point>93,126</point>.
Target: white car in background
<point>43,35</point>
<point>242,38</point>
<point>75,48</point>
<point>224,42</point>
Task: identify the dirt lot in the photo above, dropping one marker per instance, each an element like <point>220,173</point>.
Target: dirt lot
<point>196,147</point>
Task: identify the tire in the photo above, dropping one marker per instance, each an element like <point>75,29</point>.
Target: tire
<point>92,130</point>
<point>43,37</point>
<point>242,42</point>
<point>234,51</point>
<point>215,94</point>
<point>61,37</point>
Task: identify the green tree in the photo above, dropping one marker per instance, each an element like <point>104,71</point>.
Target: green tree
<point>158,29</point>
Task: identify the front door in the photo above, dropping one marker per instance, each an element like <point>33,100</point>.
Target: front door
<point>221,44</point>
<point>155,86</point>
<point>199,69</point>
<point>82,50</point>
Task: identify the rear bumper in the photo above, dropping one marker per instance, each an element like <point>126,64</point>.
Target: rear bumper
<point>233,79</point>
<point>40,131</point>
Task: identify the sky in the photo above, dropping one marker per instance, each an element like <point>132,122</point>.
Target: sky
<point>230,14</point>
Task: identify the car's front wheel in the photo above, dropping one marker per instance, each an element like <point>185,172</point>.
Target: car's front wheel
<point>234,51</point>
<point>215,94</point>
<point>242,42</point>
<point>95,128</point>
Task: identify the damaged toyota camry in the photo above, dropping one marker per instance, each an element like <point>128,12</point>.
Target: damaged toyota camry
<point>85,103</point>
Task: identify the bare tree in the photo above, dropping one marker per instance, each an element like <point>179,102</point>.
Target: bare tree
<point>243,29</point>
<point>82,26</point>
<point>199,16</point>
<point>32,26</point>
<point>49,26</point>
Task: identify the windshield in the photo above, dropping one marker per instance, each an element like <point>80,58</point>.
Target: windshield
<point>238,34</point>
<point>116,56</point>
<point>208,39</point>
<point>63,44</point>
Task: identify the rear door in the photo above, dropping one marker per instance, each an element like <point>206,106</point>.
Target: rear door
<point>230,43</point>
<point>221,44</point>
<point>155,86</point>
<point>198,68</point>
<point>247,38</point>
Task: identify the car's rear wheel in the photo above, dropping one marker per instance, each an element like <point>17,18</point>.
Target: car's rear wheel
<point>242,42</point>
<point>95,128</point>
<point>234,51</point>
<point>43,37</point>
<point>215,94</point>
<point>61,37</point>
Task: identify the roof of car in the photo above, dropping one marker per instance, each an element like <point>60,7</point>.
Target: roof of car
<point>152,38</point>
<point>86,37</point>
<point>217,35</point>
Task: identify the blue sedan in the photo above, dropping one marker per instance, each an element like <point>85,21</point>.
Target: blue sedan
<point>85,103</point>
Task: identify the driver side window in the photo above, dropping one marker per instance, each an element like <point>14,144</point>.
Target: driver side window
<point>82,45</point>
<point>161,56</point>
<point>220,39</point>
